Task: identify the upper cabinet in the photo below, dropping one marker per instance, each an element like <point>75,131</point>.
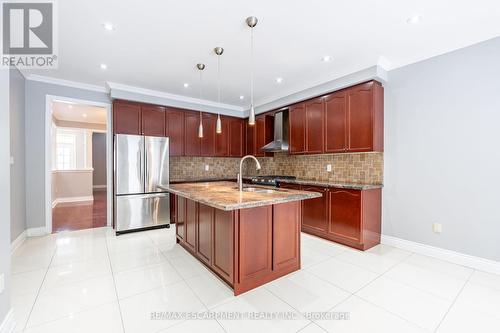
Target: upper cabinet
<point>314,126</point>
<point>250,139</point>
<point>174,124</point>
<point>222,139</point>
<point>264,128</point>
<point>236,137</point>
<point>153,120</point>
<point>192,143</point>
<point>297,123</point>
<point>335,122</point>
<point>208,140</point>
<point>126,118</point>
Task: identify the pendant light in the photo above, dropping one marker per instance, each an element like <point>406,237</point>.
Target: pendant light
<point>218,50</point>
<point>251,22</point>
<point>200,67</point>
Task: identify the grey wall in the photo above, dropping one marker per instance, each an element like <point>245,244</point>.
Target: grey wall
<point>5,192</point>
<point>36,93</point>
<point>442,156</point>
<point>17,151</point>
<point>99,158</point>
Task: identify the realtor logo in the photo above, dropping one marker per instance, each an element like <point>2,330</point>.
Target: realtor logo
<point>28,35</point>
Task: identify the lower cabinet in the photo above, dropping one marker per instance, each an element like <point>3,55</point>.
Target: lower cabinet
<point>349,217</point>
<point>204,233</point>
<point>191,220</point>
<point>180,217</point>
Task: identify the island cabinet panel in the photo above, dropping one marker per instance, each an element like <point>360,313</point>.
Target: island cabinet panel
<point>180,218</point>
<point>126,118</point>
<point>297,123</point>
<point>174,128</point>
<point>191,221</point>
<point>153,120</point>
<point>222,139</point>
<point>286,235</point>
<point>236,137</point>
<point>204,233</point>
<point>315,211</point>
<point>255,243</point>
<point>192,143</point>
<point>336,122</point>
<point>223,242</point>
<point>314,126</point>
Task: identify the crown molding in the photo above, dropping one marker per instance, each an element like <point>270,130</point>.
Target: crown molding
<point>66,83</point>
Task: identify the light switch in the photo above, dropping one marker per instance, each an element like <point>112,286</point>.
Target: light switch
<point>437,228</point>
<point>328,168</point>
<point>207,167</point>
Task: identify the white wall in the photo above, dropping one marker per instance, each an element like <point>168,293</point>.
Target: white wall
<point>442,151</point>
<point>71,184</point>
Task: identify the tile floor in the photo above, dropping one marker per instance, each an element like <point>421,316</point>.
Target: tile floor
<point>93,281</point>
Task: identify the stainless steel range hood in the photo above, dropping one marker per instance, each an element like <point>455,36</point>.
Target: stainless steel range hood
<point>280,142</point>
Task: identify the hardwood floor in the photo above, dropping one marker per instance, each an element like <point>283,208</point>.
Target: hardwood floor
<point>77,216</point>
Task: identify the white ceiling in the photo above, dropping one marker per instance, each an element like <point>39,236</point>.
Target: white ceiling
<point>79,113</point>
<point>156,44</point>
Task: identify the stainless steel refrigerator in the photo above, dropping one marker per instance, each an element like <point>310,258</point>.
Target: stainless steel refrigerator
<point>140,169</point>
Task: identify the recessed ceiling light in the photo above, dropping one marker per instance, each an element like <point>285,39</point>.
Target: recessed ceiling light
<point>108,26</point>
<point>103,66</point>
<point>242,97</point>
<point>84,115</point>
<point>279,80</point>
<point>326,58</point>
<point>186,85</point>
<point>70,106</point>
<point>414,19</point>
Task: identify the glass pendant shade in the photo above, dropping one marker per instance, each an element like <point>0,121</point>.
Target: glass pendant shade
<point>251,117</point>
<point>218,126</point>
<point>200,130</point>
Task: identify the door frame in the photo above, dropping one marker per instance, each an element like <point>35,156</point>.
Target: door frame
<point>48,156</point>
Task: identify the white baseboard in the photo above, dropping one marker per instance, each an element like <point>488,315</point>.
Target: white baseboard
<point>18,242</point>
<point>72,199</point>
<point>463,259</point>
<point>96,187</point>
<point>8,324</point>
<point>34,232</point>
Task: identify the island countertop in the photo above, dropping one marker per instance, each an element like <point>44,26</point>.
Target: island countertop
<point>225,195</point>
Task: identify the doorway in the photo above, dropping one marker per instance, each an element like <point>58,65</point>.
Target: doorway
<point>79,157</point>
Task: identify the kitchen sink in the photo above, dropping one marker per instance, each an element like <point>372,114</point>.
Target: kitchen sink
<point>258,190</point>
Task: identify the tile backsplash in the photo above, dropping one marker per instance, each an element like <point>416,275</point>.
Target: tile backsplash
<point>366,168</point>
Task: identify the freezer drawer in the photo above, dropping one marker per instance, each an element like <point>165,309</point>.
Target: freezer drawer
<point>141,211</point>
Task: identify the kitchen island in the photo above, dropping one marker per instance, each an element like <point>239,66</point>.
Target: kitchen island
<point>247,238</point>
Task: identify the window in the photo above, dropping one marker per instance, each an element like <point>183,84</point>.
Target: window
<point>65,150</point>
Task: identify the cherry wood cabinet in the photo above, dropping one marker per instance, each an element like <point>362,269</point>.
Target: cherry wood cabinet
<point>345,214</point>
<point>222,139</point>
<point>336,122</point>
<point>264,133</point>
<point>286,235</point>
<point>190,222</point>
<point>315,211</point>
<point>297,123</point>
<point>192,143</point>
<point>180,217</point>
<point>204,233</point>
<point>174,125</point>
<point>223,243</point>
<point>236,137</point>
<point>153,120</point>
<point>207,147</point>
<point>314,126</point>
<point>250,142</point>
<point>126,118</point>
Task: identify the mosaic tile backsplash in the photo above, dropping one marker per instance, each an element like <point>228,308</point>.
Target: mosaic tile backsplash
<point>365,168</point>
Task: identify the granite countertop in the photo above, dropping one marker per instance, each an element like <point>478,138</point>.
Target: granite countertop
<point>352,186</point>
<point>225,195</point>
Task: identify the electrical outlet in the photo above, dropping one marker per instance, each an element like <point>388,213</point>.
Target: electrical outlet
<point>2,282</point>
<point>207,167</point>
<point>328,168</point>
<point>437,228</point>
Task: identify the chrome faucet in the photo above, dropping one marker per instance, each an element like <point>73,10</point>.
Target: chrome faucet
<point>240,175</point>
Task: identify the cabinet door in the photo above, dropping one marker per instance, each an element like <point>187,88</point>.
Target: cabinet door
<point>175,130</point>
<point>208,140</point>
<point>250,140</point>
<point>126,118</point>
<point>236,137</point>
<point>335,122</point>
<point>345,214</point>
<point>222,139</point>
<point>315,211</point>
<point>286,233</point>
<point>223,244</point>
<point>297,123</point>
<point>359,118</point>
<point>180,218</point>
<point>204,235</point>
<point>190,223</point>
<point>192,142</point>
<point>153,120</point>
<point>314,126</point>
<point>264,133</point>
<point>290,186</point>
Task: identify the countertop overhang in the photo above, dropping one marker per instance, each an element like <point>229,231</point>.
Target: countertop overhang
<point>226,196</point>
